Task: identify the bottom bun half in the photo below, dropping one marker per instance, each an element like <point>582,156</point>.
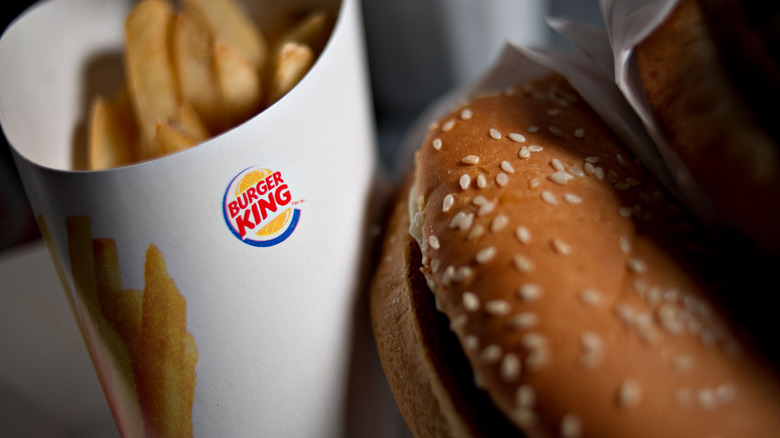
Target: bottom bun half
<point>535,280</point>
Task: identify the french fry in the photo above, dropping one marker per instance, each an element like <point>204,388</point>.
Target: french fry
<point>112,134</point>
<point>165,365</point>
<point>150,74</point>
<point>312,30</point>
<point>191,123</point>
<point>229,24</point>
<point>238,82</point>
<point>292,63</point>
<point>172,138</point>
<point>192,59</point>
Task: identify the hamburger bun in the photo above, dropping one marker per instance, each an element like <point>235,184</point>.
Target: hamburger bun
<point>535,280</point>
<point>712,78</point>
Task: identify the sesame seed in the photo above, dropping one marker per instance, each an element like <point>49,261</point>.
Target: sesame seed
<point>506,166</point>
<point>502,179</point>
<point>479,381</point>
<point>561,247</point>
<point>612,176</point>
<point>498,307</point>
<point>637,266</point>
<point>621,161</point>
<point>465,114</point>
<point>523,234</point>
<point>560,177</point>
<point>524,417</point>
<point>433,241</point>
<point>549,198</point>
<point>464,181</point>
<point>481,181</point>
<point>436,144</point>
<point>598,173</point>
<point>446,205</point>
<point>495,134</point>
<point>446,276</point>
<point>556,131</point>
<point>485,255</point>
<point>571,426</point>
<point>537,359</point>
<point>590,297</point>
<point>553,112</point>
<point>622,186</point>
<point>534,183</point>
<point>463,273</point>
<point>529,292</point>
<point>625,212</point>
<point>517,138</point>
<point>470,159</point>
<point>523,263</point>
<point>480,200</point>
<point>523,320</point>
<point>625,244</point>
<point>470,301</point>
<point>485,209</point>
<point>499,222</point>
<point>589,169</point>
<point>525,396</point>
<point>462,220</point>
<point>707,399</point>
<point>524,153</point>
<point>510,367</point>
<point>491,354</point>
<point>726,393</point>
<point>471,342</point>
<point>629,394</point>
<point>632,181</point>
<point>533,128</point>
<point>572,198</point>
<point>575,171</point>
<point>448,125</point>
<point>579,133</point>
<point>418,219</point>
<point>591,341</point>
<point>476,231</point>
<point>535,148</point>
<point>459,322</point>
<point>557,164</point>
<point>592,160</point>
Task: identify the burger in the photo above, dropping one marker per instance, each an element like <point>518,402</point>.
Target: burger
<point>711,75</point>
<point>535,280</point>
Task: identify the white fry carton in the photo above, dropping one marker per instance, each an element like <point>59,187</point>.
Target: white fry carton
<point>217,289</point>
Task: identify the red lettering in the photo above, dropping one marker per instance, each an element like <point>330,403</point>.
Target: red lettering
<point>243,222</point>
<point>251,194</point>
<point>261,187</point>
<point>278,177</point>
<point>267,205</point>
<point>245,204</point>
<point>282,195</point>
<point>269,180</point>
<point>233,208</point>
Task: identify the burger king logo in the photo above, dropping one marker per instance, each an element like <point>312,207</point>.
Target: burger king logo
<point>259,208</point>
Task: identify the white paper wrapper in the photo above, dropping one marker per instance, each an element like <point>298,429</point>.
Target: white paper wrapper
<point>601,69</point>
<point>270,325</point>
<point>629,22</point>
<point>588,69</point>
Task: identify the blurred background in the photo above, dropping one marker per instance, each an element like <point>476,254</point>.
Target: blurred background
<point>417,51</point>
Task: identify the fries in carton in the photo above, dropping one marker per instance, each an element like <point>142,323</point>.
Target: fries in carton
<point>207,208</point>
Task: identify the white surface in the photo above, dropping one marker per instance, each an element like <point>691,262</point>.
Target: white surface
<point>48,387</point>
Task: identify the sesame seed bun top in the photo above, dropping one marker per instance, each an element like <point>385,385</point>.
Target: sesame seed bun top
<point>568,277</point>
